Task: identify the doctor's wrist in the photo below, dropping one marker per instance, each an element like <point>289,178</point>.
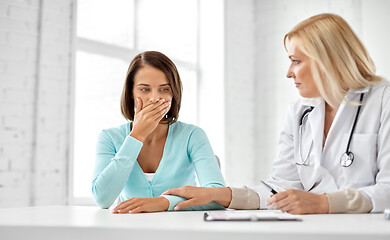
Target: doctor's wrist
<point>324,204</point>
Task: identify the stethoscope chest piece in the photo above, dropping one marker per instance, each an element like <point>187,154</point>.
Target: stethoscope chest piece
<point>346,159</point>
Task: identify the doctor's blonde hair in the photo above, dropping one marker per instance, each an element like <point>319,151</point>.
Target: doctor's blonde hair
<point>339,60</point>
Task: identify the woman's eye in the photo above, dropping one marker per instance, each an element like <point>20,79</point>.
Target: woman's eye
<point>144,89</point>
<point>295,61</point>
<point>164,90</point>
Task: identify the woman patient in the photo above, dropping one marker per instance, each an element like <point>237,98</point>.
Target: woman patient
<point>153,152</point>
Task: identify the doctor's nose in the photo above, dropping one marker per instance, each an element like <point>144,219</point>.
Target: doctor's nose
<point>290,74</point>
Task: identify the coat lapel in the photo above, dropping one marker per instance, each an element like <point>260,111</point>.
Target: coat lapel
<point>316,122</point>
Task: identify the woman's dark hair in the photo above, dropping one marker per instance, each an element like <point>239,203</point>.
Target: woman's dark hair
<point>160,61</point>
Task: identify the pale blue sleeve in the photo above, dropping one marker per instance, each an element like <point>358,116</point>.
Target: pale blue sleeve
<point>207,170</point>
<point>112,169</point>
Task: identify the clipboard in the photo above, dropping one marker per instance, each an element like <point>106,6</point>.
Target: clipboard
<point>249,216</point>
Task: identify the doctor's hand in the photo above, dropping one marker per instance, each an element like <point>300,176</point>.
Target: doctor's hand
<point>299,202</point>
<point>138,205</point>
<point>147,119</point>
<point>201,196</point>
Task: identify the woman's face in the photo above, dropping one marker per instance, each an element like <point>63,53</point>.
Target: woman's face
<point>150,85</point>
<point>300,71</point>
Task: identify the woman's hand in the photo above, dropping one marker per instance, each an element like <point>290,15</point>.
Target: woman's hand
<point>201,195</point>
<point>147,119</point>
<point>299,202</point>
<point>138,205</point>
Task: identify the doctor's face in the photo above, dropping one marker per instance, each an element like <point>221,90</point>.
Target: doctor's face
<point>150,85</point>
<point>300,70</point>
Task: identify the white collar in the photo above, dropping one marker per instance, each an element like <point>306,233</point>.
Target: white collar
<point>311,102</point>
<point>360,90</point>
<point>353,92</point>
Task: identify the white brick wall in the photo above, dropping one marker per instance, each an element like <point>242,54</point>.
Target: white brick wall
<point>34,101</point>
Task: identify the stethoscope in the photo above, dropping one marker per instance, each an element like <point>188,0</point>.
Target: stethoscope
<point>346,158</point>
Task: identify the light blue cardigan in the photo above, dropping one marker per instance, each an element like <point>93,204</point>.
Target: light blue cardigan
<point>187,153</point>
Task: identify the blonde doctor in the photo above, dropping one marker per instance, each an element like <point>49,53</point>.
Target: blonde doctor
<point>334,150</point>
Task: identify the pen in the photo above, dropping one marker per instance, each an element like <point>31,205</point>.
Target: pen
<point>269,187</point>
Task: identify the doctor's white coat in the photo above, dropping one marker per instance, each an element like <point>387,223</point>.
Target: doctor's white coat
<point>370,144</point>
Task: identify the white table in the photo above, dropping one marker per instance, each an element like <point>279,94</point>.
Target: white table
<point>67,222</point>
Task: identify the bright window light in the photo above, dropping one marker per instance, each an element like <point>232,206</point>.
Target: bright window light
<point>105,21</point>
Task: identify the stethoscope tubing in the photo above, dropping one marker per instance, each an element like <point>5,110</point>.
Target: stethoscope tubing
<point>304,162</point>
<point>354,123</point>
<point>348,153</point>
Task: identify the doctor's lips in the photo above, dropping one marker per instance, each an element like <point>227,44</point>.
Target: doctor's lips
<point>297,84</point>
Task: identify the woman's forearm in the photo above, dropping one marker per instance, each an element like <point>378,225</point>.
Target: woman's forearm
<point>112,168</point>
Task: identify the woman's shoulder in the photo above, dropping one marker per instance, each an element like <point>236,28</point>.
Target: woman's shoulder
<point>185,128</point>
<point>118,133</point>
<point>187,134</point>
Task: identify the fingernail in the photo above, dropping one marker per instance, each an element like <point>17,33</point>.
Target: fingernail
<point>163,100</point>
<point>176,208</point>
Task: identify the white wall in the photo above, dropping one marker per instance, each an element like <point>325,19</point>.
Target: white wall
<point>257,92</point>
<point>240,97</point>
<point>376,33</point>
<point>34,100</point>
